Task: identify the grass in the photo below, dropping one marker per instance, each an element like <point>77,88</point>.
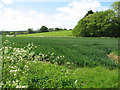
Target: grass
<point>62,77</point>
<point>56,33</point>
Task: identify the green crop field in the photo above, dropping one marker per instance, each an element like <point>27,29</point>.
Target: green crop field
<point>55,33</point>
<point>80,51</point>
<point>85,63</point>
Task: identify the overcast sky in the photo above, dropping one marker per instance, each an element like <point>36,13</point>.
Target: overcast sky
<point>23,14</point>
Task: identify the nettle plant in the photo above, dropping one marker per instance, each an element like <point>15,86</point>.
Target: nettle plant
<point>16,63</point>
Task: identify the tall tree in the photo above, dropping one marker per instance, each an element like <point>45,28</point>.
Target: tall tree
<point>57,29</point>
<point>98,24</point>
<point>43,29</point>
<point>116,7</point>
<point>30,30</point>
<point>89,12</point>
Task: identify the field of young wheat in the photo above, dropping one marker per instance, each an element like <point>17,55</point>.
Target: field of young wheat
<point>79,51</point>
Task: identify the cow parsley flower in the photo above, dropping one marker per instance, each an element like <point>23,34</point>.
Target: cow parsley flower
<point>76,81</point>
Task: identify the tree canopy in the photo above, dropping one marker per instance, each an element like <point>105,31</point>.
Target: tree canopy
<point>115,6</point>
<point>89,12</point>
<point>43,29</point>
<point>30,30</point>
<point>57,29</point>
<point>103,23</point>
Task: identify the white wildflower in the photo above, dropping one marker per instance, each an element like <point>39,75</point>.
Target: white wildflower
<point>14,74</point>
<point>13,81</point>
<point>24,86</point>
<point>13,71</point>
<point>12,67</point>
<point>32,43</point>
<point>63,70</point>
<point>76,81</point>
<point>26,66</point>
<point>68,63</point>
<point>67,71</point>
<point>29,44</point>
<point>17,81</point>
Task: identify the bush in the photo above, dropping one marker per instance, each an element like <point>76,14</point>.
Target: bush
<point>17,61</point>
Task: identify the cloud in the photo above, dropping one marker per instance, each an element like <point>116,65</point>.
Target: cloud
<point>58,16</point>
<point>33,12</point>
<point>16,20</point>
<point>1,5</point>
<point>76,10</point>
<point>65,17</point>
<point>7,1</point>
<point>11,14</point>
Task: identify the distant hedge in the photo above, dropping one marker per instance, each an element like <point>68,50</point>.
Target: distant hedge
<point>99,24</point>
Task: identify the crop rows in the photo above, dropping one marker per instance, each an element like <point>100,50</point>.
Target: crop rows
<point>78,51</point>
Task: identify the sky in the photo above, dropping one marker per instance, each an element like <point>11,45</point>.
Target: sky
<point>18,15</point>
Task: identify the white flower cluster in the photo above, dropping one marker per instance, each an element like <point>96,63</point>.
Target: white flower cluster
<point>17,61</point>
<point>22,86</point>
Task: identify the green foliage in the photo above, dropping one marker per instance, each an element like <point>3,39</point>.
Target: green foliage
<point>89,12</point>
<point>15,62</point>
<point>54,76</point>
<point>57,29</point>
<point>115,6</point>
<point>21,70</point>
<point>80,52</point>
<point>51,29</point>
<point>43,29</point>
<point>100,24</point>
<point>30,31</point>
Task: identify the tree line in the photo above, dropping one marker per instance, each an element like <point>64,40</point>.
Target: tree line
<point>31,31</point>
<point>45,29</point>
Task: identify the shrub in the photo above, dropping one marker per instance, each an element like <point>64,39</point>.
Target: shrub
<point>17,61</point>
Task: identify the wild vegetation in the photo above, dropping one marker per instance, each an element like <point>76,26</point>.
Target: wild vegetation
<point>22,70</point>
